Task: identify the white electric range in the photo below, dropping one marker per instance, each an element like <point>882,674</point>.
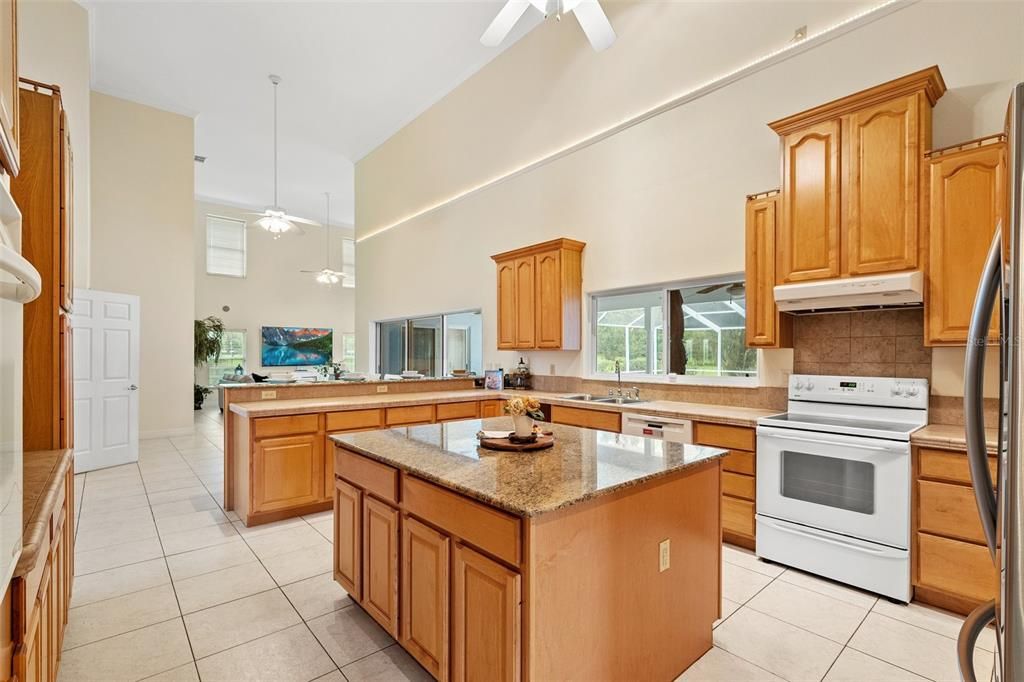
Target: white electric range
<point>833,479</point>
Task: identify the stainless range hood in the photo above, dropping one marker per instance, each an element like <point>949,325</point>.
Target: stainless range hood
<point>870,291</point>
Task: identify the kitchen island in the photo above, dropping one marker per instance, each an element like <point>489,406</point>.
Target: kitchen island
<point>595,559</point>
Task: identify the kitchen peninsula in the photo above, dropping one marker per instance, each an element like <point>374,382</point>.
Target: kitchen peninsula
<point>595,559</point>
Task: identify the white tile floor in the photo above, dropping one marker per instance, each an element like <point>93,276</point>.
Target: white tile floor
<point>171,587</point>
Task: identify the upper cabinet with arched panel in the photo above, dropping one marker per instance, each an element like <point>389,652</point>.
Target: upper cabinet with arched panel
<point>852,181</point>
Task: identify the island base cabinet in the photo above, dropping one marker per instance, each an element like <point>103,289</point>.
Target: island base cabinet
<point>348,555</point>
<point>380,563</point>
<point>486,617</point>
<point>424,596</point>
<point>287,472</point>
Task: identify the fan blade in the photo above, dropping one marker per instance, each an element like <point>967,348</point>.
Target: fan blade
<point>504,22</point>
<point>595,24</point>
<point>709,289</point>
<point>304,221</point>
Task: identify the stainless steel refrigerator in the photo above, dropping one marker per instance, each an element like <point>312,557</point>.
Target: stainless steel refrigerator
<point>1000,502</point>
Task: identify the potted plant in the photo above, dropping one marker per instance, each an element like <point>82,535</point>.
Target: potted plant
<point>523,411</point>
<point>209,335</point>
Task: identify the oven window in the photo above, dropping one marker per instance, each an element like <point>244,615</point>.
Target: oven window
<point>830,481</point>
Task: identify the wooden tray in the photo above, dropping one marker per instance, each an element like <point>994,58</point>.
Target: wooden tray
<point>542,442</point>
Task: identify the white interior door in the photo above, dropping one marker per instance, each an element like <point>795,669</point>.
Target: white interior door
<point>106,367</point>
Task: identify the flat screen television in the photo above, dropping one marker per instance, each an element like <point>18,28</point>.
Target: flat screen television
<point>296,346</point>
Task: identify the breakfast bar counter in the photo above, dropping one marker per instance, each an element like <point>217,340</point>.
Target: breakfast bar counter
<point>597,559</point>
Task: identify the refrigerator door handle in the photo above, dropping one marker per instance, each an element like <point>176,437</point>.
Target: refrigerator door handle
<point>973,626</point>
<point>29,285</point>
<point>989,291</point>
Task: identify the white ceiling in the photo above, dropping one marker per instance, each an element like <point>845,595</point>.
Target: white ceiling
<point>353,74</point>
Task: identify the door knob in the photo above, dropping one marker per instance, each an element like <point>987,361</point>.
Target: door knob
<point>133,387</point>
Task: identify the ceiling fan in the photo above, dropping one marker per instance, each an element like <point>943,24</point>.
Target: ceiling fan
<point>326,275</point>
<point>731,288</point>
<point>275,219</point>
<point>592,18</point>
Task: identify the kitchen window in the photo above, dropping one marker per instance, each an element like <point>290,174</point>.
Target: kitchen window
<point>434,345</point>
<point>689,329</point>
<point>232,355</point>
<point>225,246</point>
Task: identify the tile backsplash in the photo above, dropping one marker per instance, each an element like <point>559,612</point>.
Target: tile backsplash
<point>878,343</point>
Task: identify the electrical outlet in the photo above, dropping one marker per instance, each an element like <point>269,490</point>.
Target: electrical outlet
<point>664,555</point>
<point>268,395</point>
<point>551,371</point>
<point>382,389</point>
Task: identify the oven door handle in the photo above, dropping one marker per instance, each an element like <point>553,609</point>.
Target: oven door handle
<point>879,448</point>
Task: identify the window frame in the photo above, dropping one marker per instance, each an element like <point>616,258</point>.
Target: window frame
<point>646,377</point>
<point>407,320</point>
<point>245,247</point>
<point>245,355</point>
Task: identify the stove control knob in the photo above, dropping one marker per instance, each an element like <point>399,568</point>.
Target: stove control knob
<point>810,385</point>
<point>799,385</point>
<point>895,390</point>
<point>912,391</point>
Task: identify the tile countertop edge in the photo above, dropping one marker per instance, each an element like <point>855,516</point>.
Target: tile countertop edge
<point>705,412</point>
<point>712,455</point>
<point>950,437</point>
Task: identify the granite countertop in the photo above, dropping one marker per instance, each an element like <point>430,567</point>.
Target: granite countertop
<point>722,414</point>
<point>950,437</point>
<point>43,479</point>
<point>583,463</point>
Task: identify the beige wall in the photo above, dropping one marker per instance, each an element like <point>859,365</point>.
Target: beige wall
<point>662,200</point>
<point>53,47</point>
<point>274,292</point>
<point>143,214</point>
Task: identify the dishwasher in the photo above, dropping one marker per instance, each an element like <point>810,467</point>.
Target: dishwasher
<point>660,428</point>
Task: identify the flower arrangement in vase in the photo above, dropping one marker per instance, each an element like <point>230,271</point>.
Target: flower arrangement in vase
<point>523,411</point>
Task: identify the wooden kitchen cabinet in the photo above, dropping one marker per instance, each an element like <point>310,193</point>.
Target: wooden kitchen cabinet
<point>424,596</point>
<point>380,563</point>
<point>526,303</point>
<point>968,199</point>
<point>42,190</point>
<point>766,326</point>
<point>9,123</point>
<point>739,478</point>
<point>485,618</point>
<point>540,292</point>
<point>851,181</point>
<point>808,242</point>
<point>66,413</point>
<point>348,537</point>
<point>951,564</point>
<point>491,408</point>
<point>287,472</point>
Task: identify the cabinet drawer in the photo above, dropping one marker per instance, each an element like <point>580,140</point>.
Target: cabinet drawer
<point>946,465</point>
<point>487,528</point>
<point>412,414</point>
<point>959,568</point>
<point>739,462</point>
<point>372,476</point>
<point>948,510</point>
<point>738,485</point>
<point>737,516</point>
<point>269,427</point>
<point>723,436</point>
<point>468,410</point>
<point>354,420</point>
<point>588,419</point>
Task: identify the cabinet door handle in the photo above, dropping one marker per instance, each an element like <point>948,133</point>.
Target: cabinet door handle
<point>133,387</point>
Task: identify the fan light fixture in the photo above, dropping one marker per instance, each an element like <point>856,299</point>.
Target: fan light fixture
<point>274,219</point>
<point>327,276</point>
<point>592,18</point>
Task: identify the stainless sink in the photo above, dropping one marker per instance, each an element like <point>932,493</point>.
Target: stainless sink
<point>618,401</point>
<point>587,398</point>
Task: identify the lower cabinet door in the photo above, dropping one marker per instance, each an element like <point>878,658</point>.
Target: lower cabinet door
<point>287,472</point>
<point>424,602</point>
<point>348,537</point>
<point>486,604</point>
<point>380,563</point>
